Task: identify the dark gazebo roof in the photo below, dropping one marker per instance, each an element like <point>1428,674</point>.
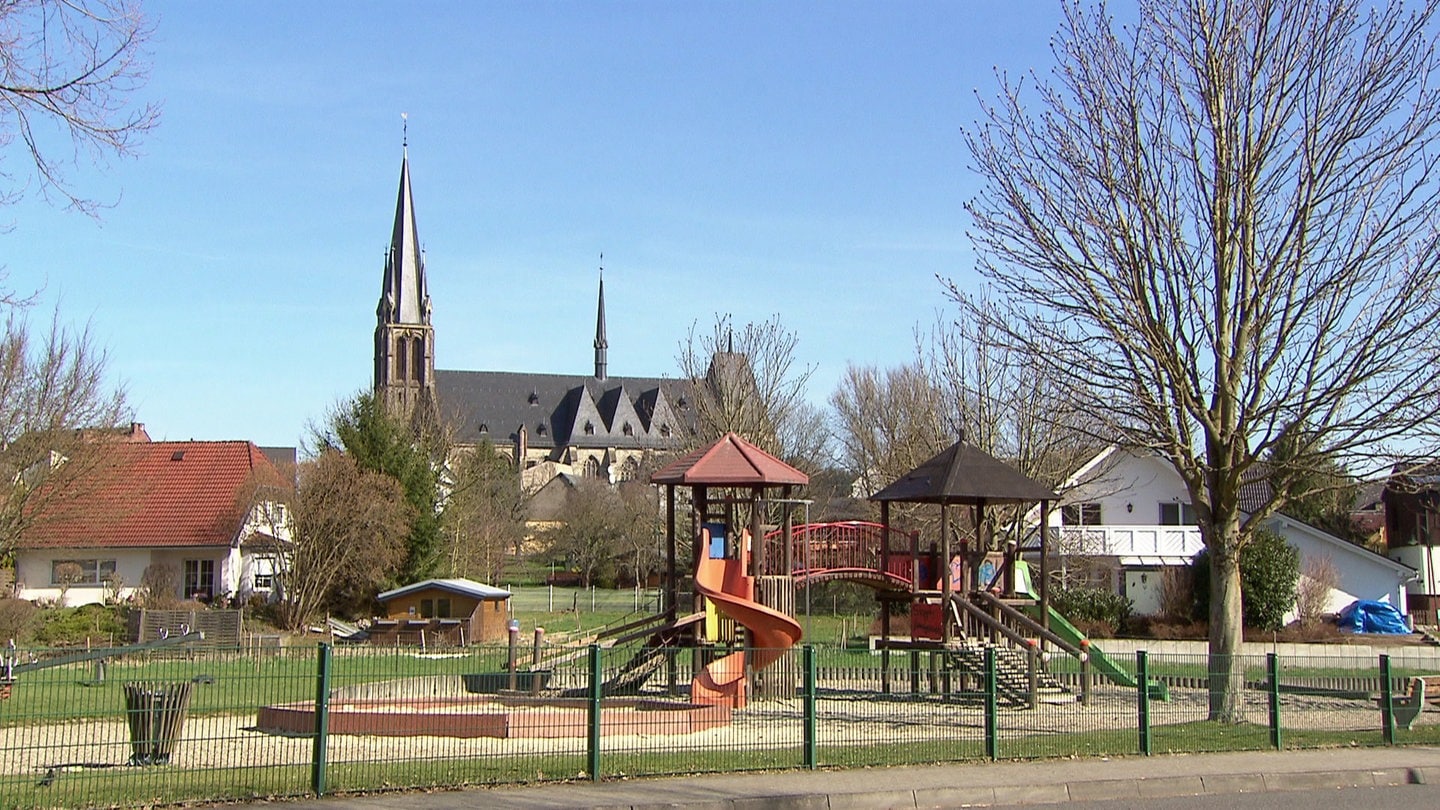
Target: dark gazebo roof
<point>964,474</point>
<point>729,461</point>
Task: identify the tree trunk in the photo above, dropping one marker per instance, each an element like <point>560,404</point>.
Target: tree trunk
<point>1226,668</point>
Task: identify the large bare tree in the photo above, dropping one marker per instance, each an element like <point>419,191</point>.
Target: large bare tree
<point>1217,224</point>
<point>70,71</point>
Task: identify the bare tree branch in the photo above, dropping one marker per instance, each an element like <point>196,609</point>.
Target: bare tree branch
<point>69,74</point>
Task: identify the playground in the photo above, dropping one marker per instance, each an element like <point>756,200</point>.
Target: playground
<point>720,678</point>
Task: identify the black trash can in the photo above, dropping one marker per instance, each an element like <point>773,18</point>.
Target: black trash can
<point>156,712</point>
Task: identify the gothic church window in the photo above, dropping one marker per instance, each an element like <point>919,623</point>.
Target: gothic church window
<point>627,430</point>
<point>418,366</point>
<point>589,428</point>
<point>592,467</point>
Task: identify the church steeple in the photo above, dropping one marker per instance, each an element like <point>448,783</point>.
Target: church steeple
<point>601,344</point>
<point>404,338</point>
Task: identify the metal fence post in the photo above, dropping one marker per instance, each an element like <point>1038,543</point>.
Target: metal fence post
<point>1032,675</point>
<point>1272,664</point>
<point>593,719</point>
<point>810,756</point>
<point>322,720</point>
<point>992,725</point>
<point>1142,675</point>
<point>1387,702</point>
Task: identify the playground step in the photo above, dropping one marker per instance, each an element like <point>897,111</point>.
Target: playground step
<point>1011,672</point>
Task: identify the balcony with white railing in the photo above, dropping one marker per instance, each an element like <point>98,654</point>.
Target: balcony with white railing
<point>1173,542</point>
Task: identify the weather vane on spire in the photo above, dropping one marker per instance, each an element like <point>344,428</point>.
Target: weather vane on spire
<point>602,264</point>
<point>404,130</point>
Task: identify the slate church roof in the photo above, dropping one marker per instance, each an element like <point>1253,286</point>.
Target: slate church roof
<point>559,410</point>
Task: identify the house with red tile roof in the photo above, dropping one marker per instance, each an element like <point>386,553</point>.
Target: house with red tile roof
<point>210,511</point>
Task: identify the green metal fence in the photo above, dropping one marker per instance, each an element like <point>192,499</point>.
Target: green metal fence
<point>178,725</point>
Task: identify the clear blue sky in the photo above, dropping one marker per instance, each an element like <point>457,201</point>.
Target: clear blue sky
<point>747,158</point>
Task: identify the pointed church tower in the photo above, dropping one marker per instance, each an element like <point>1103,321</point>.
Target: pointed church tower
<point>404,338</point>
<point>601,344</point>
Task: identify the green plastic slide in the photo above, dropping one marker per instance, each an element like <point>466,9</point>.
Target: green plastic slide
<point>1103,664</point>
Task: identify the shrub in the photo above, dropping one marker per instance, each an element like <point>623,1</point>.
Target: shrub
<point>96,623</point>
<point>1319,577</point>
<point>1093,606</point>
<point>1269,572</point>
<point>158,585</point>
<point>17,618</point>
<point>1177,594</point>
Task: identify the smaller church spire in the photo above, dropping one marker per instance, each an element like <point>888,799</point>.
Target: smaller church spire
<point>601,344</point>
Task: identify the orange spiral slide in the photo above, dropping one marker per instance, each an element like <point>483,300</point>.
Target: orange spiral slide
<point>725,583</point>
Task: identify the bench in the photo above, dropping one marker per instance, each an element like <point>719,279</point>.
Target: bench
<point>1408,708</point>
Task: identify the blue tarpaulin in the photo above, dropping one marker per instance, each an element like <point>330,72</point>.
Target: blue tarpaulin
<point>1369,616</point>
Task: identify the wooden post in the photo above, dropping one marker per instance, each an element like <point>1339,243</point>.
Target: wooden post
<point>1045,564</point>
<point>945,584</point>
<point>671,585</point>
<point>788,554</point>
<point>757,531</point>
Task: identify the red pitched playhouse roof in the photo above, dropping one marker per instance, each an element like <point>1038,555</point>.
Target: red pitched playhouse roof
<point>153,494</point>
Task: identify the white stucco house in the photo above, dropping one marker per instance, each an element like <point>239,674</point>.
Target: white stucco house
<point>191,507</point>
<point>1124,518</point>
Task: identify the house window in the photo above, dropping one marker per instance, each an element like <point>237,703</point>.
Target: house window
<point>442,608</point>
<point>1081,514</point>
<point>200,579</point>
<point>264,574</point>
<point>81,572</point>
<point>427,608</point>
<point>1177,514</point>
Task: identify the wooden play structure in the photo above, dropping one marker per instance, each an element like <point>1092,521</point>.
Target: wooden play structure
<point>731,601</point>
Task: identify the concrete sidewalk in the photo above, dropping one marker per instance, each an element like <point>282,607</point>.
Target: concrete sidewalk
<point>971,784</point>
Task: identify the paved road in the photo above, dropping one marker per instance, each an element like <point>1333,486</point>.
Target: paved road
<point>1406,777</point>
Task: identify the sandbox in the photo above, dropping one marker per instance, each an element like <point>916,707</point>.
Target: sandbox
<point>504,716</point>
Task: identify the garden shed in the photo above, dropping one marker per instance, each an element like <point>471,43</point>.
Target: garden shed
<point>456,611</point>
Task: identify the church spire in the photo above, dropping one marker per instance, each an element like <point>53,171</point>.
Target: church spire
<point>601,344</point>
<point>404,338</point>
<point>405,298</point>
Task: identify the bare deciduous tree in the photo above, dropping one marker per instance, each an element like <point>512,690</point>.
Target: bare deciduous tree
<point>593,534</point>
<point>1216,224</point>
<point>749,382</point>
<point>484,515</point>
<point>56,407</point>
<point>349,529</point>
<point>888,422</point>
<point>69,74</point>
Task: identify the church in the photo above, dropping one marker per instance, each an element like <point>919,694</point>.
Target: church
<point>591,425</point>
